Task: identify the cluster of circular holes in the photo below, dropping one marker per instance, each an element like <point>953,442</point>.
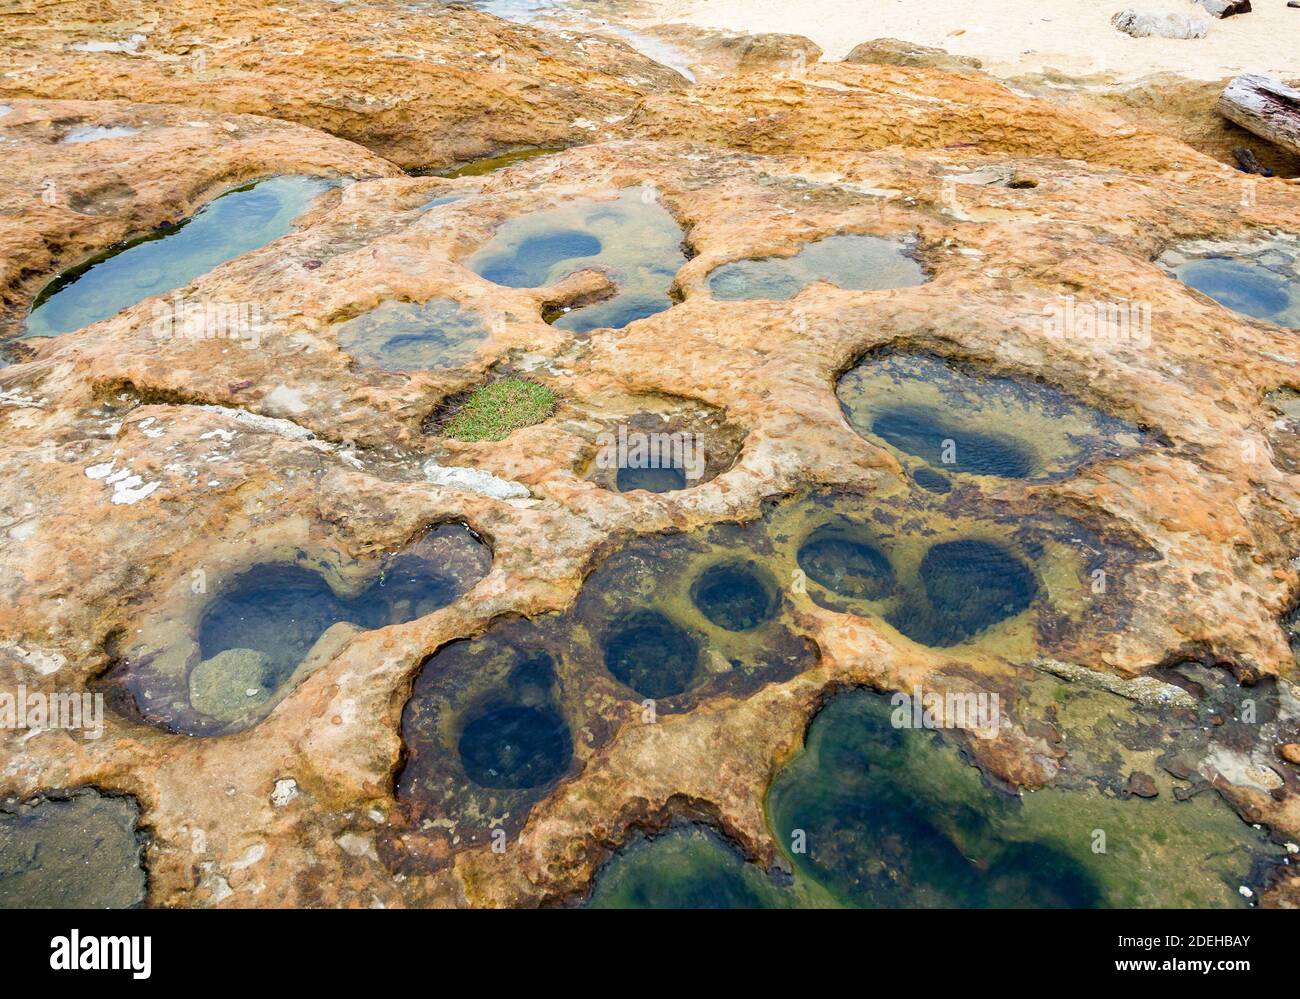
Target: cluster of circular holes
<point>969,585</point>
<point>523,741</point>
<point>655,656</point>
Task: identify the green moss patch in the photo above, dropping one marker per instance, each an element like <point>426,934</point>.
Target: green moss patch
<point>494,411</point>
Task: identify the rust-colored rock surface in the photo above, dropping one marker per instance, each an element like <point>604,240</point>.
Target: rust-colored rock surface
<point>422,88</point>
<point>63,201</point>
<point>849,108</point>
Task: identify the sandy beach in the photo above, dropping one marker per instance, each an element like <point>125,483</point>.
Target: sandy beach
<point>1074,37</point>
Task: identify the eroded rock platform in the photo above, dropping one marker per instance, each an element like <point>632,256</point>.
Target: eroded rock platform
<point>142,472</point>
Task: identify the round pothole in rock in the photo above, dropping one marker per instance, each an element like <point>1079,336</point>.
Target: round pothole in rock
<point>851,567</point>
<point>264,623</point>
<point>409,336</point>
<point>71,850</point>
<point>638,243</point>
<point>1018,581</point>
<point>489,730</point>
<point>959,421</point>
<point>930,480</point>
<point>697,614</point>
<point>229,226</point>
<point>272,615</point>
<point>738,596</point>
<point>663,445</point>
<point>970,586</point>
<point>516,747</point>
<point>652,480</point>
<point>649,653</point>
<point>1258,278</point>
<point>856,263</point>
<point>252,636</point>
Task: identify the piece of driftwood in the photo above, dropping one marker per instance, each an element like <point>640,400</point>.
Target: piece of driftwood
<point>1264,106</point>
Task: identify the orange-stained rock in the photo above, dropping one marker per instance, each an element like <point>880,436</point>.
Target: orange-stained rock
<point>61,202</point>
<point>234,450</point>
<point>844,108</point>
<point>422,88</point>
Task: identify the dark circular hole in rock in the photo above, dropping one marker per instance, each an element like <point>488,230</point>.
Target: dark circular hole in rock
<point>971,585</point>
<point>922,432</point>
<point>516,747</point>
<point>931,481</point>
<point>530,265</point>
<point>651,654</point>
<point>652,480</point>
<point>734,596</point>
<point>279,609</point>
<point>847,566</point>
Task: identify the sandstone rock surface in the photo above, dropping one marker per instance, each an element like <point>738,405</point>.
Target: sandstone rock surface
<point>1155,24</point>
<point>894,52</point>
<point>421,88</point>
<point>61,202</point>
<point>288,450</point>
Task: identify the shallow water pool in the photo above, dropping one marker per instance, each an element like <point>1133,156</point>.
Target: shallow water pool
<point>257,631</point>
<point>857,263</point>
<point>405,336</point>
<point>955,419</point>
<point>894,817</point>
<point>876,814</point>
<point>238,222</point>
<point>636,240</point>
<point>1260,279</point>
<point>1245,287</point>
<point>79,849</point>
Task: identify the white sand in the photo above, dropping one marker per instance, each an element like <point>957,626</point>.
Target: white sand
<point>1016,37</point>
